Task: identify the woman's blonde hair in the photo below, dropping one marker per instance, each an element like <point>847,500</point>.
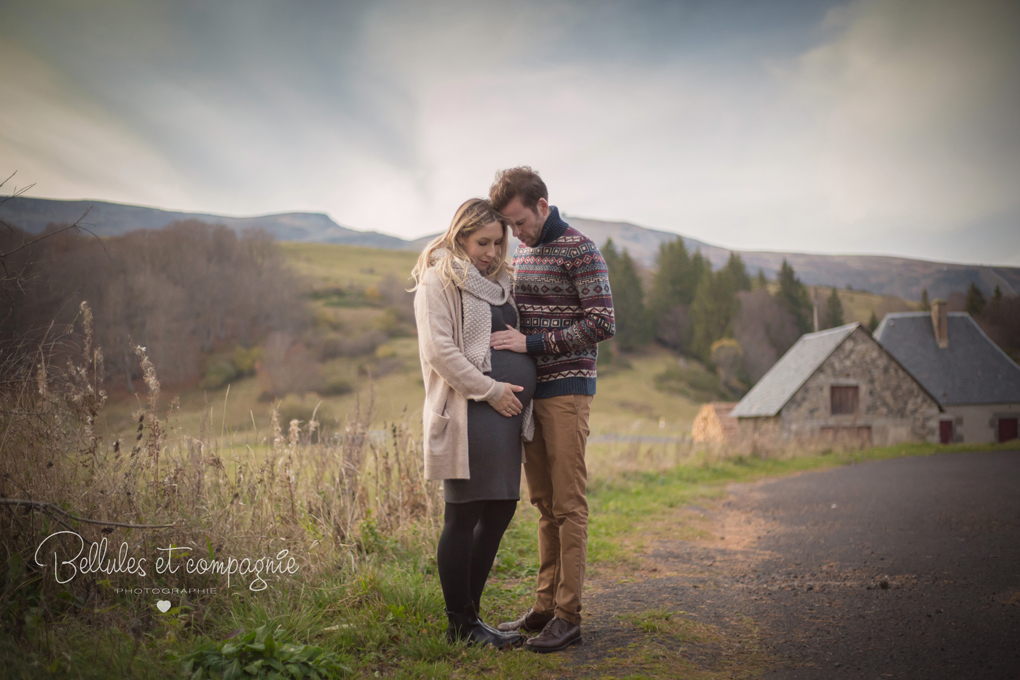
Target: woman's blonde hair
<point>471,216</point>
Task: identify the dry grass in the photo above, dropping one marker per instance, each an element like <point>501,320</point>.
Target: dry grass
<point>321,498</point>
<point>608,461</point>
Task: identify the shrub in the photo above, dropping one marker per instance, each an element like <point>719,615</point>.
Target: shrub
<point>385,351</point>
<point>381,367</point>
<point>691,381</point>
<point>336,388</point>
<point>288,367</point>
<point>303,409</point>
<point>393,325</point>
<point>610,362</point>
<point>218,374</point>
<point>221,370</point>
<point>244,359</point>
<point>261,654</point>
<point>336,345</point>
<point>728,359</point>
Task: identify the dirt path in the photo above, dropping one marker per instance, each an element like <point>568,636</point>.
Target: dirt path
<point>904,568</point>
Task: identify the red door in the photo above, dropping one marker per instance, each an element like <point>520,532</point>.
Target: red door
<point>946,431</point>
<point>1007,429</point>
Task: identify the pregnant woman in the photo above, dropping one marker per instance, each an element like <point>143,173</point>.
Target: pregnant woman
<point>477,406</point>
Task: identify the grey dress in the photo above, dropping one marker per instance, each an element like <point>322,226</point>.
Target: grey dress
<point>494,441</point>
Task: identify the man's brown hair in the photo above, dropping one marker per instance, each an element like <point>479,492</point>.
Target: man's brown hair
<point>523,182</point>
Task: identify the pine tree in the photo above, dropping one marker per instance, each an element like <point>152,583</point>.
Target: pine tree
<point>872,322</point>
<point>671,285</point>
<point>610,255</point>
<point>703,316</point>
<point>672,292</point>
<point>975,300</point>
<point>628,298</point>
<point>925,304</point>
<point>793,295</point>
<point>760,282</point>
<point>712,312</point>
<point>737,273</point>
<point>997,295</point>
<point>833,311</point>
<point>699,264</point>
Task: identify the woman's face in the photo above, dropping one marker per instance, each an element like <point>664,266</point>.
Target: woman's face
<point>481,246</point>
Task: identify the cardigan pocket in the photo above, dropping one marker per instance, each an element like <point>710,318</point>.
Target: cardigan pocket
<point>437,428</point>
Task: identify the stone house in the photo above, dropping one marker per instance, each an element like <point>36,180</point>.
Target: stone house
<point>976,384</point>
<point>839,383</point>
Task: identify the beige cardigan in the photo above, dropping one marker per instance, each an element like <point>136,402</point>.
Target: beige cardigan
<point>450,379</point>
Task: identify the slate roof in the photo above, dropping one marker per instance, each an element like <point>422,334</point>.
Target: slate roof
<point>783,380</point>
<point>971,370</point>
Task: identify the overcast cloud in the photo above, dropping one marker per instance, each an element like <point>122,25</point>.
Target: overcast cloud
<point>866,127</point>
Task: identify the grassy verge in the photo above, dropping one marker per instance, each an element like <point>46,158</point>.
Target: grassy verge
<point>380,610</point>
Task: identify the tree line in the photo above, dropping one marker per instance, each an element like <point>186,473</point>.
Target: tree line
<point>181,292</point>
<point>743,325</point>
<point>998,315</point>
<point>723,317</point>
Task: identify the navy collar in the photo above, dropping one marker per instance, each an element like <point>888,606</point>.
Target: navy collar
<point>553,228</point>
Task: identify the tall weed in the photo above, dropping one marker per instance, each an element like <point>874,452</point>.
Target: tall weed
<point>325,500</point>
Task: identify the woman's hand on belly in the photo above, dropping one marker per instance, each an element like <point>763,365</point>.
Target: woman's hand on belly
<point>510,339</point>
<point>509,405</point>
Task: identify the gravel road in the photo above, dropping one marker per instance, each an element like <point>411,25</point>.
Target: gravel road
<point>906,568</point>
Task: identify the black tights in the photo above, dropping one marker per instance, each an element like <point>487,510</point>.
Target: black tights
<point>467,548</point>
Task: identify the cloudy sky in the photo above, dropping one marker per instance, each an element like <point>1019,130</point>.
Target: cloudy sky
<point>871,126</point>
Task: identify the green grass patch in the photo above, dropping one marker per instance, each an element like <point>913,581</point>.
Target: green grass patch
<point>694,382</point>
<point>333,266</point>
<point>677,625</point>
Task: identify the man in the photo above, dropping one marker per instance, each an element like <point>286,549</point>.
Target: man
<point>566,309</point>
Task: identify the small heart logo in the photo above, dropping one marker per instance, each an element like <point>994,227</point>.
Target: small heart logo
<point>163,606</point>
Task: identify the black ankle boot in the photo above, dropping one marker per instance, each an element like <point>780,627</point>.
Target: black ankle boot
<point>478,613</point>
<point>465,625</point>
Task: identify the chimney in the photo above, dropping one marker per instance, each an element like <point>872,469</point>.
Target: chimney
<point>940,323</point>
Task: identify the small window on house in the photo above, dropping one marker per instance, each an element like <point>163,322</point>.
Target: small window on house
<point>844,400</point>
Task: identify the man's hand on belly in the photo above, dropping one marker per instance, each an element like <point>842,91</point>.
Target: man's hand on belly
<point>510,339</point>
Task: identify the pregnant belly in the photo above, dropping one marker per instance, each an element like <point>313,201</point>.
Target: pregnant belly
<point>516,369</point>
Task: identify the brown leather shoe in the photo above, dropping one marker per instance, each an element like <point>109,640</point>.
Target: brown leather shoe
<point>557,635</point>
<point>531,622</point>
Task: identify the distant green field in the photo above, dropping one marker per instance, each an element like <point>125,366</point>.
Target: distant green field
<point>329,265</point>
<point>858,305</point>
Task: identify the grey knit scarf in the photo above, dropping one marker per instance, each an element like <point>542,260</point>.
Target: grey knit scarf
<point>479,293</point>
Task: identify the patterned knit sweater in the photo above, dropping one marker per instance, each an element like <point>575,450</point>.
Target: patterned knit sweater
<point>565,305</point>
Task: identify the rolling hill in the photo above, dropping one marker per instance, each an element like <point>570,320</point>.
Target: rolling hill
<point>112,219</point>
<point>898,276</point>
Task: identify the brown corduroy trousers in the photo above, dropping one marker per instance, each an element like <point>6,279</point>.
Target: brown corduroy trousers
<point>557,482</point>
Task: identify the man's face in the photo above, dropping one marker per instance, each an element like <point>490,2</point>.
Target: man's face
<point>526,223</point>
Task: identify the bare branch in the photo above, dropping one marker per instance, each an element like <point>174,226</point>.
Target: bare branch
<point>16,192</point>
<point>37,505</point>
<point>76,225</point>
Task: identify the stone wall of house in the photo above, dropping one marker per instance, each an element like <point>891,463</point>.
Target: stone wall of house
<point>890,402</point>
<point>978,423</point>
<point>764,427</point>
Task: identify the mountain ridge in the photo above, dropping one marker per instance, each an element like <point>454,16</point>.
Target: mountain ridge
<point>885,274</point>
